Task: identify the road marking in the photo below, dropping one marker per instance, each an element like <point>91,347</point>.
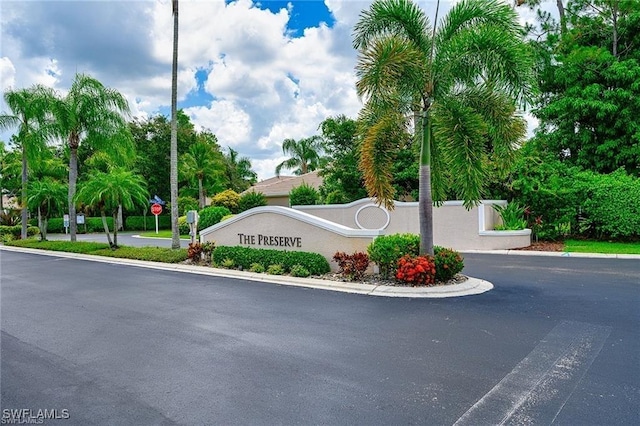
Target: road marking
<point>537,389</point>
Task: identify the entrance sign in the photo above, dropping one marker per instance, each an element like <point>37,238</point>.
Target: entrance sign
<point>156,209</point>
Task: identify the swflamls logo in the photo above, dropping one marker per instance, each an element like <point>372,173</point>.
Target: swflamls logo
<point>24,416</point>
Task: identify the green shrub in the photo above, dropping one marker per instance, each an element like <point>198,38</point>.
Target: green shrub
<point>209,216</point>
<point>250,200</point>
<point>352,266</point>
<point>244,257</point>
<point>151,254</point>
<point>187,203</point>
<point>386,250</point>
<point>512,216</point>
<point>304,195</point>
<point>228,198</point>
<point>83,247</point>
<point>183,226</point>
<point>257,268</point>
<point>141,223</point>
<point>299,271</point>
<point>55,225</point>
<point>611,208</point>
<point>228,263</point>
<point>16,230</point>
<point>448,263</point>
<point>275,269</point>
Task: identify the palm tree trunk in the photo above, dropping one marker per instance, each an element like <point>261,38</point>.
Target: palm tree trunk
<point>425,201</point>
<point>175,232</point>
<point>106,227</point>
<point>201,193</point>
<point>73,179</point>
<point>43,231</point>
<point>115,229</point>
<point>23,232</point>
<point>40,223</point>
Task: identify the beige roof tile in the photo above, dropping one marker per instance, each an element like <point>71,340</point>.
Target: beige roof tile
<point>282,185</point>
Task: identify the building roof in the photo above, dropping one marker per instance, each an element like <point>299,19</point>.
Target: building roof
<point>279,186</point>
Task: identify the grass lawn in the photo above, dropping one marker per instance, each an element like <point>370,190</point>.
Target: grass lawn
<point>585,246</point>
<point>163,233</point>
<point>153,254</point>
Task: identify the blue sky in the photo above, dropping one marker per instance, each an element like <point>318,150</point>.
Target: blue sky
<point>254,73</point>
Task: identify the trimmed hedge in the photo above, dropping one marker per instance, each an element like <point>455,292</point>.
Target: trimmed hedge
<point>55,225</point>
<point>16,230</point>
<point>245,257</point>
<point>137,223</point>
<point>209,216</point>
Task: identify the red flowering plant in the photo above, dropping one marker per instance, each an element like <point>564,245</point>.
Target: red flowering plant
<point>416,270</point>
<point>352,266</point>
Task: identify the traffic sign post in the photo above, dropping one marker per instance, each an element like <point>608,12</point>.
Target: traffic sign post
<point>156,209</point>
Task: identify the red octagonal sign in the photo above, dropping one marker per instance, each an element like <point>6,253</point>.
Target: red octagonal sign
<point>156,209</point>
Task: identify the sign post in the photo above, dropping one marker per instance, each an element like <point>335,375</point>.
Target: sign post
<point>156,209</point>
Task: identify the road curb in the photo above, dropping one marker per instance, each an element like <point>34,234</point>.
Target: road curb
<point>553,254</point>
<point>472,286</point>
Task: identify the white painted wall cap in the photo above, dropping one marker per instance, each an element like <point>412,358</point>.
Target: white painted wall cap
<point>298,215</point>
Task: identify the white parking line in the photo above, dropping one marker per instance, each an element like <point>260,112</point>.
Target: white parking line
<point>537,389</point>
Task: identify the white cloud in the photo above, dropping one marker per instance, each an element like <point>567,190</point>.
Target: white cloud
<point>226,120</point>
<point>7,74</point>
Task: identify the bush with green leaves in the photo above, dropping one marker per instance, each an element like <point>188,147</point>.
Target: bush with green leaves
<point>15,231</point>
<point>227,198</point>
<point>386,250</point>
<point>611,208</point>
<point>304,195</point>
<point>244,257</point>
<point>209,216</point>
<point>183,226</point>
<point>275,269</point>
<point>256,267</point>
<point>299,271</point>
<point>187,203</point>
<point>512,215</point>
<point>448,262</point>
<point>137,223</point>
<point>250,200</point>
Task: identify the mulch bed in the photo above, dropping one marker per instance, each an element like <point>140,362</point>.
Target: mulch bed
<point>544,246</point>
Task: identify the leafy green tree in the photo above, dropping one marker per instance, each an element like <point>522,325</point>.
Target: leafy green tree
<point>48,197</point>
<point>151,137</point>
<point>204,162</point>
<point>238,171</point>
<point>10,173</point>
<point>303,195</point>
<point>29,113</point>
<point>305,155</point>
<point>591,99</point>
<point>109,191</point>
<point>91,114</point>
<point>342,180</point>
<point>460,81</point>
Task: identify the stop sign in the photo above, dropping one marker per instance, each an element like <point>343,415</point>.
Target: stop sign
<point>156,209</point>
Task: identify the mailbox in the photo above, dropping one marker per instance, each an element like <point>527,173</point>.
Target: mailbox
<point>192,216</point>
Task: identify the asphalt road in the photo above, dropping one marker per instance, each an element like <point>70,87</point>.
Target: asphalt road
<point>556,342</point>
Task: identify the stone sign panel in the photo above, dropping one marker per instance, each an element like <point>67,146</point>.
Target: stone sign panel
<point>283,228</point>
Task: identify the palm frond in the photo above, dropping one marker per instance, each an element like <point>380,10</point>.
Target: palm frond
<point>392,18</point>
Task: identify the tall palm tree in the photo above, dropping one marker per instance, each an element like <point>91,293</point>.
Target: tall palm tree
<point>238,171</point>
<point>90,114</point>
<point>201,162</point>
<point>29,113</point>
<point>109,191</point>
<point>49,197</point>
<point>175,231</point>
<point>306,155</point>
<point>460,82</point>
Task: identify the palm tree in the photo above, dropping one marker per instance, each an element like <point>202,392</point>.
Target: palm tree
<point>175,231</point>
<point>90,114</point>
<point>460,82</point>
<point>29,109</point>
<point>49,197</point>
<point>238,171</point>
<point>305,155</point>
<point>109,191</point>
<point>201,162</point>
